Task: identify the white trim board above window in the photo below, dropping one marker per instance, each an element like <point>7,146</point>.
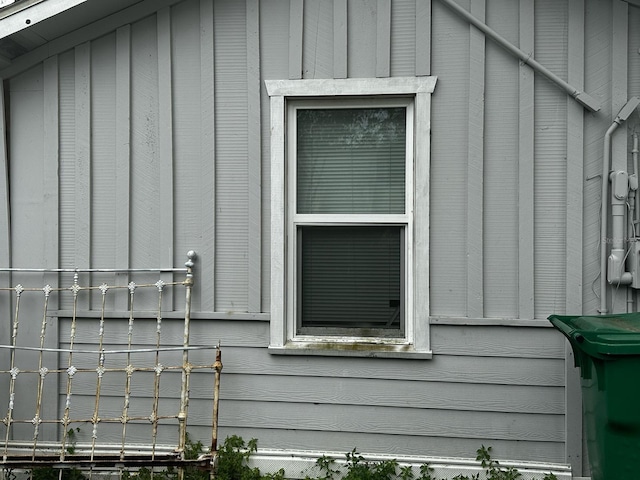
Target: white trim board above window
<point>350,216</point>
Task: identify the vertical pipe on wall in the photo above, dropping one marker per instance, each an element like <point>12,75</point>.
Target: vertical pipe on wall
<point>636,170</point>
<point>604,211</point>
<point>619,148</point>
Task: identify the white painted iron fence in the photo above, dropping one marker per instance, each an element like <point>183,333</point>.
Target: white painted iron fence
<point>91,379</point>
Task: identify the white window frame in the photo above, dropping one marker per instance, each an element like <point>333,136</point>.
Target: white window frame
<point>283,338</point>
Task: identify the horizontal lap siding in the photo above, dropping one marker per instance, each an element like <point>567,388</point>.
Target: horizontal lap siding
<point>509,395</point>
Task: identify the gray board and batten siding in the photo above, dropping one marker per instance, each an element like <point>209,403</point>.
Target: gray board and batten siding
<point>146,134</point>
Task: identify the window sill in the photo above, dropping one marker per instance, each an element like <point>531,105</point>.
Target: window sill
<point>363,350</point>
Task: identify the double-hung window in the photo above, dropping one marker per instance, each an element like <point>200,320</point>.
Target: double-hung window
<point>349,218</point>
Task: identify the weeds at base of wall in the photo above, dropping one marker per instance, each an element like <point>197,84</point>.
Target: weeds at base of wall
<point>234,454</point>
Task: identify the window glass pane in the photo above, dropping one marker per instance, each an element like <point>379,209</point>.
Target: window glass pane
<point>351,160</point>
<point>351,278</point>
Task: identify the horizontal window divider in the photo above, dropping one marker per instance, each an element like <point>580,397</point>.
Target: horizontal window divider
<point>350,219</point>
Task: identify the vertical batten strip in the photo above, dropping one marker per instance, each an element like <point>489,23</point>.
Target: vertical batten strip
<point>340,39</point>
<point>296,20</point>
<point>5,237</point>
<point>475,166</point>
<point>123,157</point>
<point>383,37</point>
<point>5,226</point>
<point>51,160</point>
<point>423,37</point>
<point>165,154</point>
<point>82,222</point>
<point>5,215</point>
<point>207,148</point>
<point>619,81</point>
<point>525,167</point>
<point>574,229</point>
<point>575,155</point>
<point>254,156</point>
<point>50,215</point>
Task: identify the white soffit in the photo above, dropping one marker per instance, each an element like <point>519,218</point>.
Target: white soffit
<point>21,14</point>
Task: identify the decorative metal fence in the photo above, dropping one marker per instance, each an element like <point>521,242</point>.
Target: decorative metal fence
<point>86,373</point>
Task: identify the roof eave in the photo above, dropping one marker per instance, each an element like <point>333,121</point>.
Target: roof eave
<point>34,13</point>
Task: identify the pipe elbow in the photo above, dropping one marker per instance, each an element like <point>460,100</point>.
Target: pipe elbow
<point>616,273</point>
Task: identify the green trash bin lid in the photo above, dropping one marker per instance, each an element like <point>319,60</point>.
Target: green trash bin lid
<point>602,335</point>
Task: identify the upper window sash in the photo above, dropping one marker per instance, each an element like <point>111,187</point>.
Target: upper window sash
<point>292,172</point>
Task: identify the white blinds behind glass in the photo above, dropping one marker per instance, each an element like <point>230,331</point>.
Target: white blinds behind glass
<point>351,277</point>
<point>351,160</point>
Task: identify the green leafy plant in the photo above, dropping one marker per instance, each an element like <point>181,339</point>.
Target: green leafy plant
<point>492,467</point>
<point>359,468</point>
<point>233,457</point>
<point>326,466</point>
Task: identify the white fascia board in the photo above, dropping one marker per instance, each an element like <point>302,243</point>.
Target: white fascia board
<point>33,14</point>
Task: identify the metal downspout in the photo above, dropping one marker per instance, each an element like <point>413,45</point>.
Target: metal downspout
<point>606,160</point>
<point>636,170</point>
<point>631,236</point>
<point>581,97</point>
<point>633,214</point>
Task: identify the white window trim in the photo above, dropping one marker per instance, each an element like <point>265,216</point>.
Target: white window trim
<point>282,337</point>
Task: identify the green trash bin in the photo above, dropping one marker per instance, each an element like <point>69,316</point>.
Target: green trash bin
<point>607,350</point>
